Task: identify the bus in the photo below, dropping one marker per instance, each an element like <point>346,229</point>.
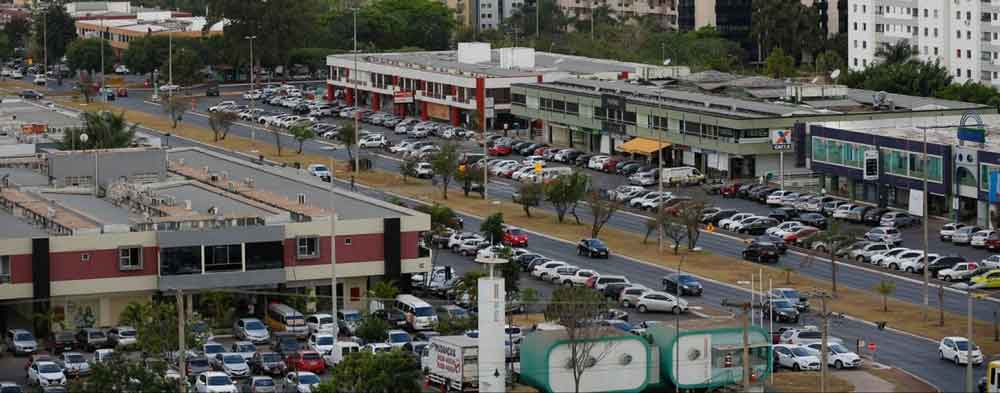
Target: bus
<point>282,318</point>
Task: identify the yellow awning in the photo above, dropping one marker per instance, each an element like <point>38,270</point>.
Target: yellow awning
<point>642,146</point>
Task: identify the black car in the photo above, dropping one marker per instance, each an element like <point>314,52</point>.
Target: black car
<point>63,341</point>
<point>622,164</point>
<point>284,343</point>
<point>614,290</point>
<point>394,317</point>
<point>719,216</point>
<point>31,95</point>
<point>571,157</point>
<point>760,194</point>
<point>744,190</point>
<point>760,226</point>
<point>783,214</point>
<point>629,169</point>
<point>813,219</point>
<point>689,285</point>
<point>301,109</point>
<point>874,216</point>
<point>582,159</point>
<point>778,242</point>
<point>762,252</point>
<point>944,263</point>
<point>593,248</point>
<point>781,310</point>
<point>212,91</point>
<point>529,149</point>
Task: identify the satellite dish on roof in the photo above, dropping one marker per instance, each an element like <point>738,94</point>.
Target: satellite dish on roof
<point>666,62</point>
<point>835,74</point>
<point>814,80</point>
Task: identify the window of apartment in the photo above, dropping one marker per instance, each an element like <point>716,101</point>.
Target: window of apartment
<point>864,27</point>
<point>958,34</point>
<point>925,50</point>
<point>223,257</point>
<point>958,15</point>
<point>878,10</point>
<point>958,72</point>
<point>968,53</point>
<point>855,26</point>
<point>968,34</point>
<point>935,51</point>
<point>864,8</point>
<point>855,61</point>
<point>864,62</point>
<point>925,12</point>
<point>855,8</point>
<point>968,15</point>
<point>518,99</point>
<point>879,28</point>
<point>968,73</point>
<point>855,43</point>
<point>864,44</point>
<point>572,108</point>
<point>4,269</point>
<point>307,247</point>
<point>958,54</point>
<point>926,30</point>
<point>935,32</point>
<point>130,258</point>
<point>180,260</point>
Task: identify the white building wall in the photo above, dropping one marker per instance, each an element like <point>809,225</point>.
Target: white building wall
<point>623,367</point>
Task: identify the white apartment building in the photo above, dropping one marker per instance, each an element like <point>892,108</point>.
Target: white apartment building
<point>665,10</point>
<point>493,12</point>
<point>963,35</point>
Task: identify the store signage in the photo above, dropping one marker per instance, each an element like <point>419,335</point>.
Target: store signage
<point>994,187</point>
<point>402,97</point>
<point>971,128</point>
<point>781,140</point>
<point>871,165</point>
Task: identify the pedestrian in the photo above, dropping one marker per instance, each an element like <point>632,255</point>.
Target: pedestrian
<point>352,183</point>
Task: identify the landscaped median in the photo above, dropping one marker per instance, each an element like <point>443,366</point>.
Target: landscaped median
<point>863,304</point>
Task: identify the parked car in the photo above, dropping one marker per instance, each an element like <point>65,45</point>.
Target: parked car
<point>661,301</point>
<point>268,363</point>
<point>762,252</point>
<point>45,373</point>
<point>795,357</point>
<point>689,285</point>
<point>21,342</point>
<point>91,339</point>
<point>780,310</point>
<point>884,234</point>
<point>122,336</point>
<point>629,296</point>
<point>947,230</point>
<point>874,215</point>
<point>306,361</point>
<point>251,329</point>
<point>964,234</point>
<point>958,272</point>
<point>979,238</point>
<point>62,341</point>
<point>214,382</point>
<point>957,349</point>
<point>813,219</point>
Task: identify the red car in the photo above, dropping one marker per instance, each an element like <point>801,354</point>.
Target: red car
<point>729,190</point>
<point>540,151</point>
<point>993,242</point>
<point>515,237</point>
<point>609,165</point>
<point>510,171</point>
<point>306,361</point>
<point>500,150</point>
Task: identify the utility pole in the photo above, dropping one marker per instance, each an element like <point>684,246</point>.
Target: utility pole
<point>747,308</point>
<point>538,10</point>
<point>659,165</point>
<point>333,249</point>
<point>970,386</point>
<point>103,78</point>
<point>677,328</point>
<point>824,350</point>
<point>253,101</point>
<point>357,125</point>
<point>927,273</point>
<point>181,338</point>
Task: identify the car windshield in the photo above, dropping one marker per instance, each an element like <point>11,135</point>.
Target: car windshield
<point>809,335</point>
<point>326,320</point>
<point>517,232</point>
<point>96,334</point>
<point>232,359</point>
<point>263,382</point>
<point>608,280</point>
<point>781,304</point>
<point>837,348</point>
<point>308,379</point>
<point>399,337</point>
<point>685,279</point>
<point>424,311</point>
<point>352,317</point>
<point>24,337</point>
<point>799,351</point>
<point>214,348</point>
<point>219,380</point>
<point>48,368</point>
<point>126,333</point>
<point>254,325</point>
<point>324,340</point>
<point>790,294</point>
<point>11,389</point>
<point>962,345</point>
<point>270,357</point>
<point>75,358</point>
<point>310,356</point>
<point>246,348</point>
<point>201,362</point>
<point>596,243</point>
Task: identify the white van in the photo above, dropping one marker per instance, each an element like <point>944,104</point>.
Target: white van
<point>419,314</point>
<point>549,174</point>
<point>340,351</point>
<point>682,175</point>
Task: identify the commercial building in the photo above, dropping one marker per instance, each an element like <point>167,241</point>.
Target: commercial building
<point>664,11</point>
<point>185,219</point>
<point>964,36</point>
<point>93,10</point>
<point>470,85</point>
<point>720,123</point>
<point>957,172</point>
<point>119,32</point>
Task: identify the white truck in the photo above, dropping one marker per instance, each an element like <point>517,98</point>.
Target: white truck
<point>453,361</point>
<point>683,175</point>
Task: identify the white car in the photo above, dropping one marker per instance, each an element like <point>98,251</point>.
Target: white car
<point>894,261</point>
<point>947,230</point>
<point>979,238</point>
<point>547,269</point>
<point>16,74</point>
<point>245,349</point>
<point>532,160</point>
<point>597,162</point>
<point>457,238</point>
<point>805,336</point>
<point>398,338</point>
<point>233,364</point>
<point>578,278</point>
<point>843,210</point>
<point>795,357</point>
<point>775,197</point>
<point>959,272</point>
<point>992,261</point>
<point>739,226</point>
<point>40,80</point>
<point>520,173</point>
<point>563,271</point>
<point>619,192</point>
<point>376,141</point>
<point>214,382</point>
<point>320,323</point>
<point>728,223</point>
<point>956,349</point>
<point>169,87</point>
<point>424,170</point>
<point>784,228</point>
<point>322,342</point>
<point>877,258</point>
<point>319,170</point>
<point>643,178</point>
<point>252,95</point>
<point>46,374</point>
<point>73,363</point>
<point>377,348</point>
<point>402,146</point>
<point>20,341</point>
<point>914,264</point>
<point>639,201</point>
<point>470,247</point>
<point>661,301</point>
<point>837,355</point>
<point>631,294</point>
<point>222,105</point>
<point>866,252</point>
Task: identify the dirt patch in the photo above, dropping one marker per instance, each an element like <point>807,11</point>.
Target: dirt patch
<point>527,320</point>
<point>901,381</point>
<point>808,382</point>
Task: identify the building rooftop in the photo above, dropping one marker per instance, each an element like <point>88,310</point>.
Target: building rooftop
<point>203,199</point>
<point>15,228</point>
<point>85,204</point>
<point>941,130</point>
<point>14,112</point>
<point>156,25</point>
<point>750,97</point>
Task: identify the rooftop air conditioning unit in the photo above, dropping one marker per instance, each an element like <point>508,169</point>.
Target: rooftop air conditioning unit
<point>180,161</point>
<point>187,204</point>
<point>302,199</point>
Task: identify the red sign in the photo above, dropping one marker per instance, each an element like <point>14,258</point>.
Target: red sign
<point>871,347</point>
<point>402,97</point>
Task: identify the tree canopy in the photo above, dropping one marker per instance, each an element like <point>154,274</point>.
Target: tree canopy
<point>912,78</point>
<point>60,31</point>
<point>105,130</point>
<point>85,54</point>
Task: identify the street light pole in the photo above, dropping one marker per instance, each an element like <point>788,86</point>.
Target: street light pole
<point>253,101</point>
<point>925,220</point>
<point>357,125</point>
<point>333,248</point>
<point>659,173</point>
<point>969,386</point>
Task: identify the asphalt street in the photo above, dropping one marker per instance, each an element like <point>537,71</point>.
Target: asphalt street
<point>913,354</point>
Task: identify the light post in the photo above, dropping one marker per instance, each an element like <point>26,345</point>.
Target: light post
<point>83,139</point>
<point>357,125</point>
<point>333,246</point>
<point>103,77</point>
<point>677,327</point>
<point>156,91</point>
<point>253,101</point>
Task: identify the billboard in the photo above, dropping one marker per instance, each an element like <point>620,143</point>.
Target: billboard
<point>781,140</point>
<point>994,187</point>
<point>402,97</point>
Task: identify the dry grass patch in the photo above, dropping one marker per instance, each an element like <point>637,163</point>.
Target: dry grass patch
<point>808,382</point>
<point>901,381</point>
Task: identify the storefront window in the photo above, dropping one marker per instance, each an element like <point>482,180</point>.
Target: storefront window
<point>935,169</point>
<point>819,149</point>
<point>835,152</point>
<point>896,162</point>
<point>852,155</point>
<point>916,165</point>
<point>984,175</point>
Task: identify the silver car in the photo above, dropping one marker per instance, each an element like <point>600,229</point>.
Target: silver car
<point>864,254</point>
<point>884,234</point>
<point>964,234</point>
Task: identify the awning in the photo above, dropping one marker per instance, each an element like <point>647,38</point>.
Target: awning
<point>642,146</point>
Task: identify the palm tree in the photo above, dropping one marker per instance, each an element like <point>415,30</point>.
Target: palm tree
<point>134,314</point>
<point>105,130</point>
<point>897,52</point>
<point>885,288</point>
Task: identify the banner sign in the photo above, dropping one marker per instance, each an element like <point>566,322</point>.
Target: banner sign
<point>402,97</point>
<point>781,140</point>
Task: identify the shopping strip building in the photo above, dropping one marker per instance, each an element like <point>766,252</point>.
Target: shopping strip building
<point>186,219</point>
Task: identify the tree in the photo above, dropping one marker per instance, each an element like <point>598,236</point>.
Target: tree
<point>895,52</point>
<point>832,241</point>
<point>187,66</point>
<point>385,372</point>
<point>674,229</point>
<point>441,216</point>
<point>105,130</point>
<point>780,65</point>
<point>449,326</point>
<point>689,214</point>
<point>279,25</point>
<point>220,303</point>
<point>373,329</point>
<point>122,374</point>
<point>885,288</point>
<point>575,308</point>
<point>85,85</point>
<point>85,54</point>
<point>492,228</point>
<point>565,192</point>
<point>221,122</point>
<point>529,297</point>
<point>301,133</point>
<point>828,61</point>
<point>529,194</point>
<point>445,164</point>
<point>175,108</point>
<point>970,91</point>
<point>134,314</point>
<point>408,168</point>
<point>156,328</point>
<point>17,31</point>
<point>915,78</point>
<point>471,180</point>
<point>601,211</point>
<point>45,321</point>
<point>59,29</point>
<point>788,274</point>
<point>349,137</point>
<point>6,49</point>
<point>785,24</point>
<point>469,286</point>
